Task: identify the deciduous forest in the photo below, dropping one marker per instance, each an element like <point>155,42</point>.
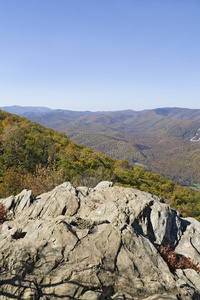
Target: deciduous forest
<point>37,158</point>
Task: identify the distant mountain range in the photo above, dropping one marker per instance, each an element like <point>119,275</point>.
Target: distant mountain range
<point>170,112</point>
<point>163,140</point>
<point>23,110</point>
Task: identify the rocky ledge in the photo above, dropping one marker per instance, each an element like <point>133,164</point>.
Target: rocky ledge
<point>95,244</point>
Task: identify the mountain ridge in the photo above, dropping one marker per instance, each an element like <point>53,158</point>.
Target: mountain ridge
<point>145,137</point>
<point>37,158</point>
<point>171,112</point>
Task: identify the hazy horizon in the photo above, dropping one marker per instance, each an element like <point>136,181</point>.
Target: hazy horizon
<point>46,107</point>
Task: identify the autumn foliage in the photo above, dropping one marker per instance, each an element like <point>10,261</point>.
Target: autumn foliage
<point>2,213</point>
<point>37,158</point>
<point>176,261</point>
<point>42,180</point>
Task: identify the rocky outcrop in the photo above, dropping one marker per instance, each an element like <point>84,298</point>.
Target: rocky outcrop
<point>95,244</point>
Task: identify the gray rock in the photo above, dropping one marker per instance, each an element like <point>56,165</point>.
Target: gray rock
<point>188,277</point>
<point>104,184</point>
<point>91,295</point>
<point>189,245</point>
<point>94,244</point>
<point>18,203</point>
<point>123,296</point>
<point>162,297</point>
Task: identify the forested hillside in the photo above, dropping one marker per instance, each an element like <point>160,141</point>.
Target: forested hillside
<point>37,158</point>
<point>179,113</point>
<point>159,140</point>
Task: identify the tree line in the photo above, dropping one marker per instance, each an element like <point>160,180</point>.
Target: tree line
<point>37,158</point>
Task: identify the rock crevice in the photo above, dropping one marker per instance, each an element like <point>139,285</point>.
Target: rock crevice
<point>98,244</point>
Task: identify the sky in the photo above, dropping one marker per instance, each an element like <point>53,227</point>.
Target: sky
<point>100,54</point>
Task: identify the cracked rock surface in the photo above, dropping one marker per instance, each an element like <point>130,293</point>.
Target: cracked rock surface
<point>95,244</point>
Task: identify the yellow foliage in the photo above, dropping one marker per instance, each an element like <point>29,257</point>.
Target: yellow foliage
<point>7,121</point>
<point>58,145</point>
<point>69,147</point>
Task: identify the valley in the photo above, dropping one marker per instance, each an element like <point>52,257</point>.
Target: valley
<point>36,158</point>
<point>196,137</point>
<point>163,140</point>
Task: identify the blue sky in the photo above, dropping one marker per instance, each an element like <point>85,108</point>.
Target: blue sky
<point>100,54</point>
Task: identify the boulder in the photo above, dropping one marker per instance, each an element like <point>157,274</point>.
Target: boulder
<point>16,204</point>
<point>189,244</point>
<point>100,243</point>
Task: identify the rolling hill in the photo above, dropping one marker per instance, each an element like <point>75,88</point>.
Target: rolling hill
<point>159,139</point>
<point>37,158</point>
<point>179,113</point>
